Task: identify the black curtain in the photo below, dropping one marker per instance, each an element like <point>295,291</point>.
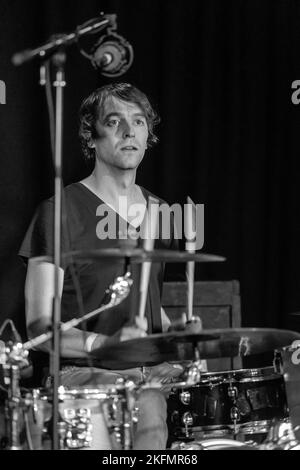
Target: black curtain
<point>220,75</point>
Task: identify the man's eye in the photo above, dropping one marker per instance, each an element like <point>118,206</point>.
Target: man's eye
<point>140,122</point>
<point>112,123</point>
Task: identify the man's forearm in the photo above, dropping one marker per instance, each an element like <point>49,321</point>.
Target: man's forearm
<point>74,342</point>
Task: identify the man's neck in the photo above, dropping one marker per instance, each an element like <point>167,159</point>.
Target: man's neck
<point>111,183</point>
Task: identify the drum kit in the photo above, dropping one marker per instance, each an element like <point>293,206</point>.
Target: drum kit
<point>235,409</point>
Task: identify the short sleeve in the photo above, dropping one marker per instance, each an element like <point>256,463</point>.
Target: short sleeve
<point>39,238</point>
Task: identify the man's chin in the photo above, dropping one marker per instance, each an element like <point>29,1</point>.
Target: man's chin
<point>129,164</point>
<point>127,167</point>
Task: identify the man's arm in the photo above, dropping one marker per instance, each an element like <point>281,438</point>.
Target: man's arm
<point>39,292</point>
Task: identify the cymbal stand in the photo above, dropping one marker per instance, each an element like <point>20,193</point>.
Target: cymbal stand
<point>127,410</point>
<point>13,408</point>
<point>116,293</point>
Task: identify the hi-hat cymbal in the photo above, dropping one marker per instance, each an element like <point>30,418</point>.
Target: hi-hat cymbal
<point>138,255</point>
<point>179,346</point>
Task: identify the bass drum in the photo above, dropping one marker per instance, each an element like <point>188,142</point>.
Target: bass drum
<point>244,401</point>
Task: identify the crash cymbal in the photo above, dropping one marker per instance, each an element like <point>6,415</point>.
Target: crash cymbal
<point>138,255</point>
<point>179,346</point>
<point>151,350</point>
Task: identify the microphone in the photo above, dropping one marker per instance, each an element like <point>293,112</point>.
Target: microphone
<point>112,55</point>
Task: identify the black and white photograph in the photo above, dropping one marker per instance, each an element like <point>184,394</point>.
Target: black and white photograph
<point>149,227</point>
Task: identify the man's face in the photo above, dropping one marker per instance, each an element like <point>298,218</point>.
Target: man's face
<point>122,135</point>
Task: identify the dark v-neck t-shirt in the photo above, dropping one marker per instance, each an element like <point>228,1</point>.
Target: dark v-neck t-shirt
<point>79,232</point>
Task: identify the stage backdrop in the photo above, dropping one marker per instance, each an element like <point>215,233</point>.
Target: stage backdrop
<point>220,75</point>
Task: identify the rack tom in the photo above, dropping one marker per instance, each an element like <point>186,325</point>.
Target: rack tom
<point>241,401</point>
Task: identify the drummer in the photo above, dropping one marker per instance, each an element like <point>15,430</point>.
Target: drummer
<point>116,127</point>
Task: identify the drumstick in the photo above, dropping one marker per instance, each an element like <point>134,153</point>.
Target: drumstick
<point>190,275</point>
<point>149,240</point>
<point>190,246</point>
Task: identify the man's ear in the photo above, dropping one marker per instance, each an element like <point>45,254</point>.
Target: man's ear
<point>91,144</point>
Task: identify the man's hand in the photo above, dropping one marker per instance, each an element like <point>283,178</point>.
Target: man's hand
<point>165,372</point>
<point>139,330</point>
<point>193,327</point>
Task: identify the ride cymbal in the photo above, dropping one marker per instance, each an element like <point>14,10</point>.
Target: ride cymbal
<point>180,346</point>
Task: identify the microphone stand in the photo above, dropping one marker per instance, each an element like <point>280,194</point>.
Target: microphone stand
<point>59,40</point>
<point>58,60</point>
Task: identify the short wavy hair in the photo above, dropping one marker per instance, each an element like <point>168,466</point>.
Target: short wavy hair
<point>92,107</point>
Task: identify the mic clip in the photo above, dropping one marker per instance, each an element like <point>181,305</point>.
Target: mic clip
<point>111,54</point>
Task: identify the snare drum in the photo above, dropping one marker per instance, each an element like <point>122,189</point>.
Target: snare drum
<point>241,401</point>
<point>94,419</point>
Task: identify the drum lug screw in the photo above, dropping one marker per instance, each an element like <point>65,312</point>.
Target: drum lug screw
<point>187,420</point>
<point>232,392</point>
<point>235,414</point>
<point>185,397</point>
<point>135,415</point>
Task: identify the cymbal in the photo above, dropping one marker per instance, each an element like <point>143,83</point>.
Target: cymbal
<point>138,255</point>
<point>241,342</point>
<point>151,350</point>
<point>179,346</point>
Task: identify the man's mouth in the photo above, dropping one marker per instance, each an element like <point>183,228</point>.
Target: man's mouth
<point>129,147</point>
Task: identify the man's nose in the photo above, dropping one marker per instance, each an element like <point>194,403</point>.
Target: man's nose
<point>128,130</point>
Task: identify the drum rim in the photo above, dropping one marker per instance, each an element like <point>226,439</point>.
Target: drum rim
<point>207,444</point>
<point>232,442</point>
<point>99,393</point>
<point>231,428</point>
<point>257,374</point>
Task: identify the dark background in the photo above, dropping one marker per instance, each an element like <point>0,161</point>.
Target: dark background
<point>220,75</point>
